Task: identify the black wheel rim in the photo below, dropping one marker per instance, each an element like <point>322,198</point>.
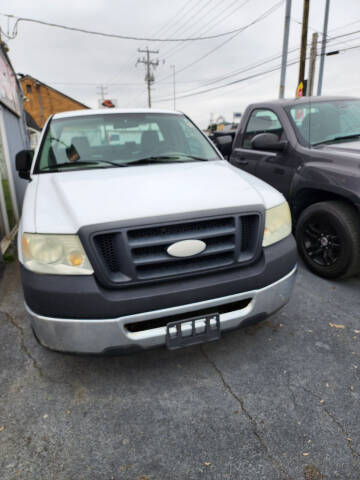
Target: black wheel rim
<point>321,241</point>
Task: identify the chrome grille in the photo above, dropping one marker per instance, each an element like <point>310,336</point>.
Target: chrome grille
<point>140,254</point>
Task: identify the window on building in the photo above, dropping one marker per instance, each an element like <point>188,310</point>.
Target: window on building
<point>28,88</point>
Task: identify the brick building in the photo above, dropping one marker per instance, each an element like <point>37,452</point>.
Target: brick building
<point>41,100</point>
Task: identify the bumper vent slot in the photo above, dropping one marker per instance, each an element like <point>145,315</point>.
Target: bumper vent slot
<point>107,248</point>
<point>163,321</point>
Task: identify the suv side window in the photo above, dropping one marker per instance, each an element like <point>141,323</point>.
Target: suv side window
<point>261,121</point>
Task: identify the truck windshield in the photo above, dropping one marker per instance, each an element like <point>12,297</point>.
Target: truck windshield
<point>121,140</point>
<point>328,121</point>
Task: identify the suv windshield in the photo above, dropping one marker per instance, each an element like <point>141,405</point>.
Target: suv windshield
<point>121,139</point>
<point>326,122</point>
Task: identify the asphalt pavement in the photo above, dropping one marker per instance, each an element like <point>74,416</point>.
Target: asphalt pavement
<point>276,401</point>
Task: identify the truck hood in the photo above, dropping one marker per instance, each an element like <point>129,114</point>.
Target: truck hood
<point>345,153</point>
<point>66,201</point>
<point>341,158</point>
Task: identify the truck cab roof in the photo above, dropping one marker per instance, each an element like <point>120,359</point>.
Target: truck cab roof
<point>283,102</point>
<point>108,111</point>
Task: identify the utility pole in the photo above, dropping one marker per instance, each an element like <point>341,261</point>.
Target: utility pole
<point>174,89</point>
<point>149,77</point>
<point>304,34</point>
<point>312,62</point>
<point>102,91</point>
<point>323,47</point>
<point>285,48</point>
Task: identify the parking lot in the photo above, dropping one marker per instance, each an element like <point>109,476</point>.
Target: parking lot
<point>276,401</point>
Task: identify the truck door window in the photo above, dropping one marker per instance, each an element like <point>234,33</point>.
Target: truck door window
<point>261,121</point>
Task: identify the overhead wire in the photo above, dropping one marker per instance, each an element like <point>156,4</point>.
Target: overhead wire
<point>113,35</point>
<point>234,82</point>
<point>215,17</point>
<point>161,80</point>
<point>194,13</point>
<point>165,27</point>
<point>347,48</point>
<point>346,25</point>
<point>245,27</point>
<point>268,60</point>
<point>172,39</point>
<point>178,16</point>
<point>250,77</point>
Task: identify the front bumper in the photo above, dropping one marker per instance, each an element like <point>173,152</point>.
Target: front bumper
<point>104,335</point>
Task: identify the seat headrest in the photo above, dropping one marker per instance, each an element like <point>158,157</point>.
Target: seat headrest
<point>80,143</point>
<point>149,139</point>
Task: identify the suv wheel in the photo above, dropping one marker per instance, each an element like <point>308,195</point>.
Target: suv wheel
<point>328,238</point>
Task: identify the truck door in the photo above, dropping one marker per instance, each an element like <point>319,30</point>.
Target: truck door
<point>275,168</point>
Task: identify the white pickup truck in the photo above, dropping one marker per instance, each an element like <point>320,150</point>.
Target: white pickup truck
<point>154,240</point>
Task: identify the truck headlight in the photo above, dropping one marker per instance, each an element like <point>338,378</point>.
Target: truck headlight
<point>277,224</point>
<point>55,254</point>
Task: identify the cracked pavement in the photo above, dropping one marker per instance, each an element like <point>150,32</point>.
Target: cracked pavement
<point>278,401</point>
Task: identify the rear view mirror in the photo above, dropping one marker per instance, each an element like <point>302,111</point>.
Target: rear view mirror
<point>224,144</point>
<point>268,141</point>
<point>119,123</point>
<point>23,161</point>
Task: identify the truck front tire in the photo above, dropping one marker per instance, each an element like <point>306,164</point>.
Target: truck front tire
<point>328,238</point>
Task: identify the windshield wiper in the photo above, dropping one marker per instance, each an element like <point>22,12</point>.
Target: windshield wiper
<point>161,158</point>
<point>82,162</point>
<point>344,137</point>
<point>140,161</point>
<point>194,157</point>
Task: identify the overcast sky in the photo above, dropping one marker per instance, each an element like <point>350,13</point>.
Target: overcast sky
<point>76,63</point>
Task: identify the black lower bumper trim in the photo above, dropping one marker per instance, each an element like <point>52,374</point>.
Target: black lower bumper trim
<point>82,297</point>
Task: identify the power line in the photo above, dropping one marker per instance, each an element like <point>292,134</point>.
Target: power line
<point>165,27</point>
<point>251,66</point>
<point>194,13</point>
<point>181,20</point>
<point>234,82</point>
<point>249,77</point>
<point>345,49</point>
<point>346,25</point>
<point>341,36</point>
<point>112,35</point>
<point>177,17</point>
<point>210,24</point>
<point>88,84</point>
<point>195,21</point>
<point>245,27</point>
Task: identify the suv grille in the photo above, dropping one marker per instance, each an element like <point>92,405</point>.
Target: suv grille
<point>140,254</point>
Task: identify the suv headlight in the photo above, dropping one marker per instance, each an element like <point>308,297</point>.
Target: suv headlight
<point>277,224</point>
<point>55,254</point>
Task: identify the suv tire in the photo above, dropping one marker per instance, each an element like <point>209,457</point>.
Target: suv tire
<point>328,238</point>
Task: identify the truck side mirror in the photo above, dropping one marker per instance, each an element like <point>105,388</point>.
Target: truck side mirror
<point>23,161</point>
<point>268,141</point>
<point>224,144</point>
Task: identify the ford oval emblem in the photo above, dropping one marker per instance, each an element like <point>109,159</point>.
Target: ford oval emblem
<point>186,248</point>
